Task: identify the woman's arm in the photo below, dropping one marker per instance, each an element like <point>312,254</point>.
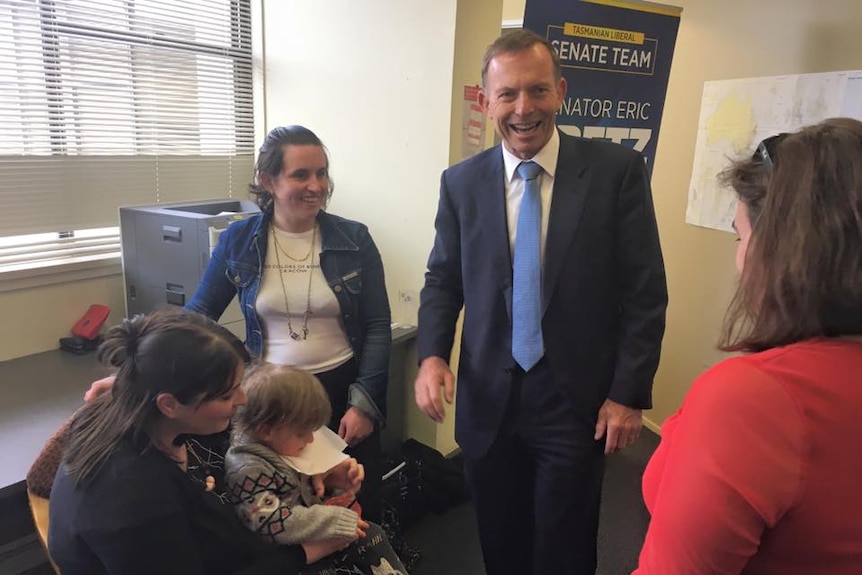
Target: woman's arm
<point>732,468</point>
<point>148,521</point>
<point>167,547</point>
<point>375,320</point>
<point>131,551</point>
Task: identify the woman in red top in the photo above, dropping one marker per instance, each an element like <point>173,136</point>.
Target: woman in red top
<point>760,471</point>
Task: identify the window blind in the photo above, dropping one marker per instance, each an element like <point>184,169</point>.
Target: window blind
<point>106,103</point>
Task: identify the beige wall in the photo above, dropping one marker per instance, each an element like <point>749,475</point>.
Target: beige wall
<point>365,77</point>
<point>476,27</point>
<point>722,40</point>
<point>513,10</point>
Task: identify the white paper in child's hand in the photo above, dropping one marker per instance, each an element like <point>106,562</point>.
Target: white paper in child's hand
<point>321,455</point>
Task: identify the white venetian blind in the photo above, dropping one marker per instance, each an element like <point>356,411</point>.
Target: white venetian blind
<point>106,103</point>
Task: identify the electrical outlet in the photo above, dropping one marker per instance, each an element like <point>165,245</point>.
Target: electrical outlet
<point>407,307</point>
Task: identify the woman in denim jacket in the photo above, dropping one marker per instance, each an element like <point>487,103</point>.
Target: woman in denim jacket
<point>312,291</point>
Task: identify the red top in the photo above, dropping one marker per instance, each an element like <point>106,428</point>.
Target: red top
<point>760,471</point>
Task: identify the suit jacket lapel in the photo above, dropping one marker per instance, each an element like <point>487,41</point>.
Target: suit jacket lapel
<point>567,204</point>
<point>491,200</point>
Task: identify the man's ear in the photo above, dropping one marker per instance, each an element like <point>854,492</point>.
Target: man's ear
<point>169,405</point>
<point>483,102</point>
<point>562,88</point>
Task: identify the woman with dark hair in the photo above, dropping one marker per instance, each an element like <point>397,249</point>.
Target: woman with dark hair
<point>140,489</point>
<point>312,291</point>
<point>759,472</point>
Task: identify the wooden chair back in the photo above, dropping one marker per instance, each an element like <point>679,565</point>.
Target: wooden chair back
<point>39,509</point>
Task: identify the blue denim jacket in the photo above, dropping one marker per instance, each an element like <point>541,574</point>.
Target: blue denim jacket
<point>350,263</point>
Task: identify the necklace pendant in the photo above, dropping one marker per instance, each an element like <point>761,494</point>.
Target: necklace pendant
<point>309,270</point>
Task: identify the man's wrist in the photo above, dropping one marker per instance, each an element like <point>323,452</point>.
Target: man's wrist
<point>431,359</point>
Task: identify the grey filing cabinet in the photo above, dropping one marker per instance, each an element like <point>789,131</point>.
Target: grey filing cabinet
<point>166,248</point>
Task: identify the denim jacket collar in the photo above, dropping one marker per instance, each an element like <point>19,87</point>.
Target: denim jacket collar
<point>332,236</point>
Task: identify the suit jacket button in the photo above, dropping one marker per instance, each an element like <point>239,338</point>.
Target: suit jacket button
<point>336,289</point>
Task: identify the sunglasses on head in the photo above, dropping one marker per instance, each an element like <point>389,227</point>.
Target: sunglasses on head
<point>765,151</point>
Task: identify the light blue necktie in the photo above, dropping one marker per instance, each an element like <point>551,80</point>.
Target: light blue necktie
<point>527,345</point>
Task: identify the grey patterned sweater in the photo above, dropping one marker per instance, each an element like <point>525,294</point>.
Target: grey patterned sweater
<point>279,503</point>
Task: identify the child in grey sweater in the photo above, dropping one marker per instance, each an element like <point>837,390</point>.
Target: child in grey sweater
<point>285,406</point>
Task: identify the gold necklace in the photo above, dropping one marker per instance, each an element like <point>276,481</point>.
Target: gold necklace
<point>290,257</point>
<point>295,336</point>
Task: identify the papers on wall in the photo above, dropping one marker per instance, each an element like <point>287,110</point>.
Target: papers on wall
<point>737,114</point>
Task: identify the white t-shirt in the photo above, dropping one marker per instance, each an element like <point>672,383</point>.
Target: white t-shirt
<point>325,346</point>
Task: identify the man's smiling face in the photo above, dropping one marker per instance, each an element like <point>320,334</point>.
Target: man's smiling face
<point>522,97</point>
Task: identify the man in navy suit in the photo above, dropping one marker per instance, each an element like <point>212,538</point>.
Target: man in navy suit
<point>534,440</point>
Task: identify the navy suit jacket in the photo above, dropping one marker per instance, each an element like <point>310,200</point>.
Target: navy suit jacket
<point>604,292</point>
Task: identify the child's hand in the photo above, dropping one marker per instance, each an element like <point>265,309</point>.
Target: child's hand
<point>347,476</point>
<point>361,526</point>
<point>318,484</point>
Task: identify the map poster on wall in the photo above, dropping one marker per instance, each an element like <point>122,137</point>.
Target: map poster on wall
<point>737,114</point>
<point>615,56</point>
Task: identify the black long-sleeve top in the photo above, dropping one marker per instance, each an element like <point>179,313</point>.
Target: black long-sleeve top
<point>141,514</point>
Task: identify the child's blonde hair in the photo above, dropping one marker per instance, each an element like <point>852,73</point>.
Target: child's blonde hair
<point>280,394</point>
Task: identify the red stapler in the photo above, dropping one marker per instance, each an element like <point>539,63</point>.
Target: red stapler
<point>91,322</point>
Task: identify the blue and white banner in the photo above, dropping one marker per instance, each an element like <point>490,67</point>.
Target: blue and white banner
<point>615,57</point>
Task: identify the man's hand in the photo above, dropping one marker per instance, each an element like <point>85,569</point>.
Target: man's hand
<point>434,373</point>
<point>355,426</point>
<point>622,424</point>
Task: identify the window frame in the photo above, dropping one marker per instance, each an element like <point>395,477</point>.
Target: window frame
<point>69,263</point>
